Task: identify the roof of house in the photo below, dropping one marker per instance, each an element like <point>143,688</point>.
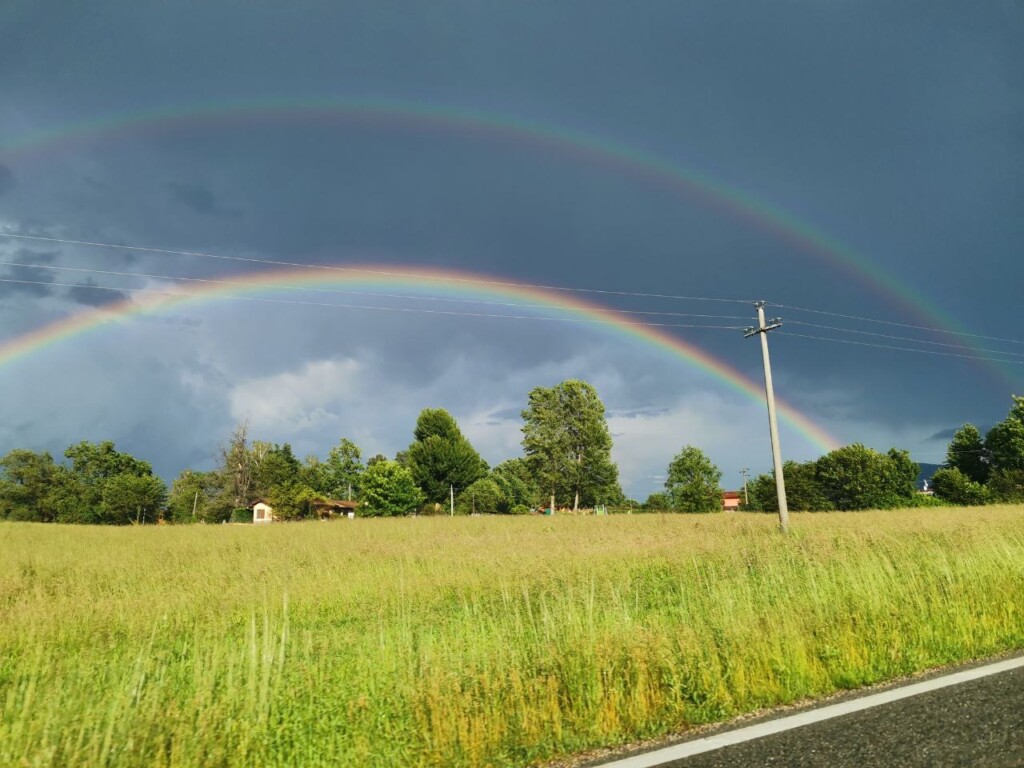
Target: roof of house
<point>334,503</point>
<point>730,494</point>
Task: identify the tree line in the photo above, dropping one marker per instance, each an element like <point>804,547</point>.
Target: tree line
<point>566,462</point>
<point>567,459</point>
<point>978,470</point>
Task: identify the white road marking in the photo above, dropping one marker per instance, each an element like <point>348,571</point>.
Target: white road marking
<point>751,732</point>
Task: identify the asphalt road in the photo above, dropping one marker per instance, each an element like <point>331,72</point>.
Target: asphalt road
<point>974,723</point>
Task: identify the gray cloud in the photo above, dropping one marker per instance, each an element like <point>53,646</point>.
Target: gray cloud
<point>200,199</point>
<point>865,147</point>
<point>948,434</point>
<point>89,293</point>
<point>7,181</point>
<point>28,281</point>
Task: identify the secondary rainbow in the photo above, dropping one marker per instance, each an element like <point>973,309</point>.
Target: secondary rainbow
<point>589,148</point>
<point>410,280</point>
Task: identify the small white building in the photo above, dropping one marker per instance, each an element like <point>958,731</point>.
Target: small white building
<point>262,512</point>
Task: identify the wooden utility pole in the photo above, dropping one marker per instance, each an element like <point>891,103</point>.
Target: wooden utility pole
<point>762,329</point>
<point>451,490</point>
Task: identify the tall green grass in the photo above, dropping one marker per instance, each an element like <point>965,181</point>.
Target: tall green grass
<point>472,641</point>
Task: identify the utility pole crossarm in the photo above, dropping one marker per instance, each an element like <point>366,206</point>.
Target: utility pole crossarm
<point>762,329</point>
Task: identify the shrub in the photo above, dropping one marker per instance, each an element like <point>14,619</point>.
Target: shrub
<point>241,515</point>
<point>519,509</point>
<point>956,487</point>
<point>482,496</point>
<point>1007,486</point>
<point>920,500</point>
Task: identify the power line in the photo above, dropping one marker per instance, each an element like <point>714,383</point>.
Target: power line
<point>900,325</point>
<point>414,310</point>
<point>243,284</point>
<point>901,338</point>
<point>365,271</point>
<point>900,349</point>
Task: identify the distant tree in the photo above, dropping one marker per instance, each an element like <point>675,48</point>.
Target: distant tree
<point>567,443</point>
<point>856,477</point>
<point>657,502</point>
<point>803,491</point>
<point>101,485</point>
<point>517,483</point>
<point>760,496</point>
<point>436,422</point>
<point>278,467</point>
<point>344,468</point>
<point>952,485</point>
<point>693,482</point>
<point>967,453</point>
<point>26,486</point>
<point>388,489</point>
<point>441,457</point>
<point>95,462</point>
<point>128,498</point>
<point>313,474</point>
<point>236,465</point>
<point>79,491</point>
<point>376,459</point>
<point>1005,441</point>
<point>901,474</point>
<point>291,500</point>
<point>1006,486</point>
<point>198,497</point>
<point>482,496</point>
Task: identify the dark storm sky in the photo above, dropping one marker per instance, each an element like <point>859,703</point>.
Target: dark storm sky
<point>895,131</point>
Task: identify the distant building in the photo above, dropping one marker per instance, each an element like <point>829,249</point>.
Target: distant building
<point>731,500</point>
<point>325,509</point>
<point>262,512</point>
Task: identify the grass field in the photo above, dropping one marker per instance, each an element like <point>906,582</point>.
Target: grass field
<point>472,641</point>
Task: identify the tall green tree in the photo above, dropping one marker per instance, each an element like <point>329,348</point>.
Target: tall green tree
<point>517,483</point>
<point>441,457</point>
<point>95,462</point>
<point>344,468</point>
<point>79,491</point>
<point>237,462</point>
<point>27,482</point>
<point>1005,441</point>
<point>967,453</point>
<point>389,489</point>
<point>436,422</point>
<point>198,497</point>
<point>567,443</point>
<point>692,484</point>
<point>129,498</point>
<point>278,467</point>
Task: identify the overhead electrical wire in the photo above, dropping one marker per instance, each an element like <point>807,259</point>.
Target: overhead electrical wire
<point>419,310</point>
<point>376,294</point>
<point>366,270</point>
<point>900,349</point>
<point>862,319</point>
<point>512,284</point>
<point>899,338</point>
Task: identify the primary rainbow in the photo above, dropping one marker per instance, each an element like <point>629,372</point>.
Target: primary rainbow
<point>586,147</point>
<point>415,280</point>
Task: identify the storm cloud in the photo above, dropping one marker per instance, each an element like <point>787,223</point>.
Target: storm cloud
<point>855,159</point>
